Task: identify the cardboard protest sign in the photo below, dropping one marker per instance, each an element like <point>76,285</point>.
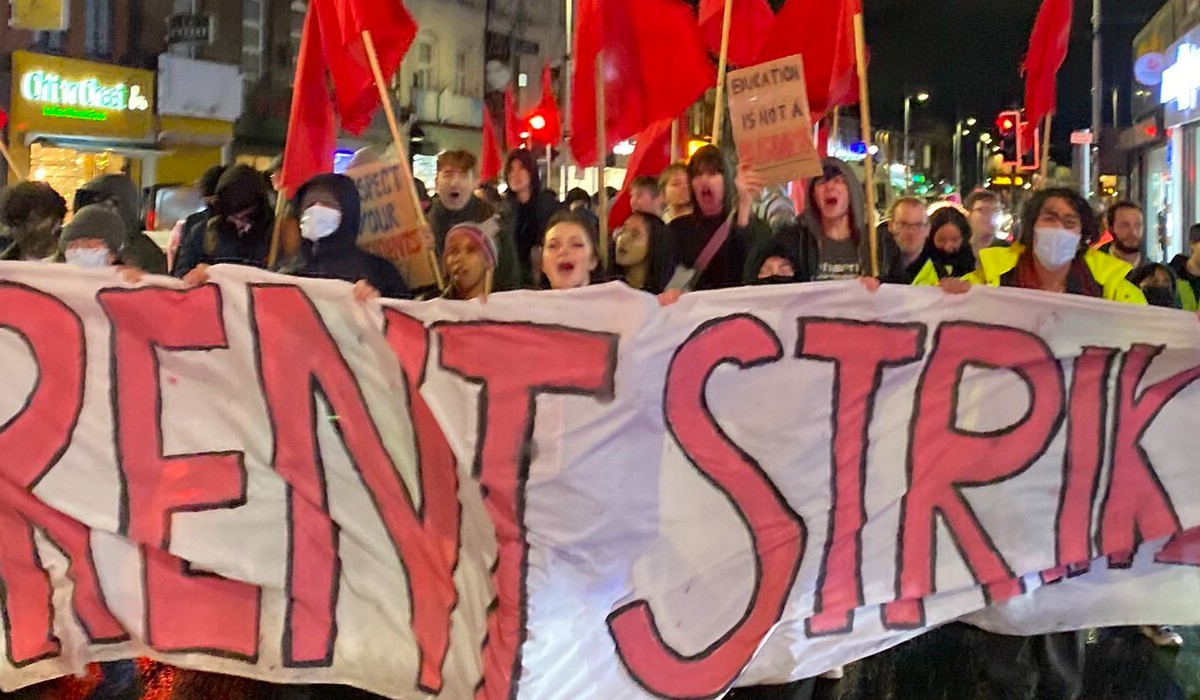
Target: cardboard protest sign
<point>576,494</point>
<point>390,227</point>
<point>772,125</point>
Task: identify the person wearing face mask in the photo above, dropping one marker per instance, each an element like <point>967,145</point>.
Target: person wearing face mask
<point>330,221</point>
<point>779,267</point>
<point>33,213</point>
<point>1052,254</point>
<point>1159,283</point>
<point>643,253</point>
<point>949,245</point>
<point>532,208</point>
<point>470,262</point>
<point>94,237</point>
<point>1187,269</point>
<point>239,232</point>
<point>830,239</point>
<point>456,203</point>
<point>719,198</point>
<point>123,194</point>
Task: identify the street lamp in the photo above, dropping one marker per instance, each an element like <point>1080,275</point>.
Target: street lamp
<point>959,133</point>
<point>921,97</point>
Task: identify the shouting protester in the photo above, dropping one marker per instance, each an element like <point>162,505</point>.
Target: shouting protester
<point>457,204</point>
<point>830,239</point>
<point>736,261</point>
<point>240,231</point>
<point>532,208</point>
<point>33,214</point>
<point>570,252</point>
<point>470,262</point>
<point>1187,269</point>
<point>138,249</point>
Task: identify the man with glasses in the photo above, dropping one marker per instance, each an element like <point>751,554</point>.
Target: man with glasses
<point>909,227</point>
<point>984,210</point>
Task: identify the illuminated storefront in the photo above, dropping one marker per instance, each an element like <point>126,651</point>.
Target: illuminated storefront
<point>72,121</point>
<point>1180,98</point>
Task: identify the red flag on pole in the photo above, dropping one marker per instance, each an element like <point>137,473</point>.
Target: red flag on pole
<point>489,158</point>
<point>655,66</point>
<point>651,156</point>
<point>823,31</point>
<point>1047,51</point>
<point>512,123</point>
<point>312,131</point>
<point>551,133</point>
<point>748,29</point>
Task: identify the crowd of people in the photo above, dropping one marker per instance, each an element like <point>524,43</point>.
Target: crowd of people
<point>701,225</point>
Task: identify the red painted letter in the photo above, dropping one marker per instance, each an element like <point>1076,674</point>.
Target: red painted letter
<point>31,442</point>
<point>1136,507</point>
<point>184,612</point>
<point>778,533</point>
<point>285,319</point>
<point>943,459</point>
<point>514,363</point>
<point>1086,433</point>
<point>859,352</point>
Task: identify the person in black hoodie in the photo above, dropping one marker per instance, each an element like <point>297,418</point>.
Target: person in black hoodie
<point>713,190</point>
<point>239,232</point>
<point>456,203</point>
<point>330,221</point>
<point>532,208</point>
<point>193,225</point>
<point>139,250</point>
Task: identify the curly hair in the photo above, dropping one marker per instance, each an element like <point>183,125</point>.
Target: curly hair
<point>26,200</point>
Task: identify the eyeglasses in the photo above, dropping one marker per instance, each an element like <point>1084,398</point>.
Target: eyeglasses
<point>911,226</point>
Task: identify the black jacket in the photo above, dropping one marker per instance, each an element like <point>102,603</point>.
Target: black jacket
<point>338,256</point>
<point>241,188</point>
<point>804,237</point>
<point>738,260</point>
<point>138,250</point>
<point>530,221</point>
<point>507,275</point>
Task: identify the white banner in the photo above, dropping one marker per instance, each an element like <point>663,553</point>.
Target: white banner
<point>750,486</point>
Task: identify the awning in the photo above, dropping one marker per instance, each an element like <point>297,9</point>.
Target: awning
<point>84,144</point>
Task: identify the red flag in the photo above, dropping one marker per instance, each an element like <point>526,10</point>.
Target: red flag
<point>342,25</point>
<point>312,134</point>
<point>3,119</point>
<point>512,123</point>
<point>1047,50</point>
<point>748,28</point>
<point>655,66</point>
<point>823,31</point>
<point>489,158</point>
<point>651,156</point>
<point>547,108</point>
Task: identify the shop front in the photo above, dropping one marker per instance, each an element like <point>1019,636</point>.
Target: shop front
<point>1180,97</point>
<point>72,121</point>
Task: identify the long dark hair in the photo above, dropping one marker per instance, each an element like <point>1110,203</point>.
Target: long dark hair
<point>1033,208</point>
<point>658,253</point>
<point>961,260</point>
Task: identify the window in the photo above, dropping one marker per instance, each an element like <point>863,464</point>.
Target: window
<point>424,76</point>
<point>252,39</point>
<point>98,30</point>
<point>460,73</point>
<point>50,42</point>
<point>299,10</point>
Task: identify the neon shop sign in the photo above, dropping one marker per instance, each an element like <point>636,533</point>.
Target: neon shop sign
<point>1181,81</point>
<point>88,98</point>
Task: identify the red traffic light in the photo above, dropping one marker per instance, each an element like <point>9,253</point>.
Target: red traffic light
<point>1006,123</point>
<point>537,122</point>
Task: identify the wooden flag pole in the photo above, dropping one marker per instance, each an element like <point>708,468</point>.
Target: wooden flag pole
<point>836,127</point>
<point>719,117</point>
<point>21,174</point>
<point>1046,151</point>
<point>864,104</point>
<point>675,140</point>
<point>401,150</point>
<point>601,161</point>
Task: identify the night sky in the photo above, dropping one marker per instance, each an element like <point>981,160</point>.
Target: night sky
<point>967,54</point>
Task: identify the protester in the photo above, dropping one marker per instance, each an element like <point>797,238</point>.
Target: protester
<point>643,253</point>
<point>1159,283</point>
<point>470,262</point>
<point>457,204</point>
<point>738,258</point>
<point>677,192</point>
<point>909,228</point>
<point>33,214</point>
<point>983,209</point>
<point>1127,224</point>
<point>240,231</point>
<point>570,252</point>
<point>779,267</point>
<point>138,249</point>
<point>532,208</point>
<point>193,225</point>
<point>330,221</point>
<point>949,244</point>
<point>830,240</point>
<point>1187,269</point>
<point>577,198</point>
<point>645,195</point>
<point>1052,254</point>
<point>94,237</point>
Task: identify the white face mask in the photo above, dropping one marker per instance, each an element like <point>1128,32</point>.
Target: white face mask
<point>319,222</point>
<point>87,257</point>
<point>1055,247</point>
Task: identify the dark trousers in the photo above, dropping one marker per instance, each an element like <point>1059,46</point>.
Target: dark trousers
<point>800,690</point>
<point>1048,666</point>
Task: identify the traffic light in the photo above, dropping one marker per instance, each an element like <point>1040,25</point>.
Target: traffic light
<point>538,125</point>
<point>1008,126</point>
<point>1029,144</point>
